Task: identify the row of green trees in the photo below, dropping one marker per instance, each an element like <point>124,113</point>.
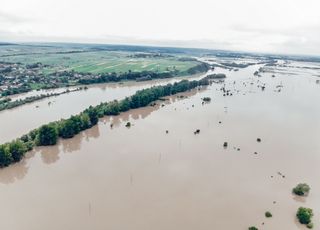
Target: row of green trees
<point>67,128</point>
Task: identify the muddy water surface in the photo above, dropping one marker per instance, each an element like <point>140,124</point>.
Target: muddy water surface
<point>142,178</point>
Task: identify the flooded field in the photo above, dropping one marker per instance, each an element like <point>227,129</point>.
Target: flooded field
<point>143,178</point>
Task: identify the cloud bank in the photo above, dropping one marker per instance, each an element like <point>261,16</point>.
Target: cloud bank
<point>282,26</point>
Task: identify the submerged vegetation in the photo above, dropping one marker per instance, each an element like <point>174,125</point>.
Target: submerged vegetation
<point>206,99</point>
<point>268,214</point>
<point>304,216</point>
<point>301,189</point>
<point>67,128</point>
<point>217,76</point>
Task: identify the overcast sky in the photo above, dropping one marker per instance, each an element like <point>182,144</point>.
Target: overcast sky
<point>276,26</point>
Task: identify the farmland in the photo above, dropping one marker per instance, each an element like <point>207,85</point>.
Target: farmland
<point>38,66</point>
<point>96,62</point>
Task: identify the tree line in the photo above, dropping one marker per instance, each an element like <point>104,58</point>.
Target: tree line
<point>49,134</point>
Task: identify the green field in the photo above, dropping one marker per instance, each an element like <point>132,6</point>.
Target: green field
<point>101,62</point>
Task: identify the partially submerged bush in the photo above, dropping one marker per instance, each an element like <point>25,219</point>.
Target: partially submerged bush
<point>225,144</point>
<point>304,215</point>
<point>310,225</point>
<point>301,189</point>
<point>206,99</point>
<point>197,131</point>
<point>268,214</point>
<point>253,228</point>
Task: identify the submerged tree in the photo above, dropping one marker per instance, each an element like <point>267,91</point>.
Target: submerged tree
<point>47,135</point>
<point>301,189</point>
<point>304,215</point>
<point>17,150</point>
<point>268,214</point>
<point>5,156</point>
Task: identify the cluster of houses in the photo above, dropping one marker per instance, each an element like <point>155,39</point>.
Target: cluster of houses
<point>15,75</point>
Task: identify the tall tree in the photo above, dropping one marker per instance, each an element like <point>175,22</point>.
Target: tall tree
<point>47,135</point>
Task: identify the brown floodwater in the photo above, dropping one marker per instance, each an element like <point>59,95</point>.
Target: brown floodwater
<point>142,178</point>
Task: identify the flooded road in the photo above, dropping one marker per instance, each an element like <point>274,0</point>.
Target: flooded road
<point>142,178</point>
